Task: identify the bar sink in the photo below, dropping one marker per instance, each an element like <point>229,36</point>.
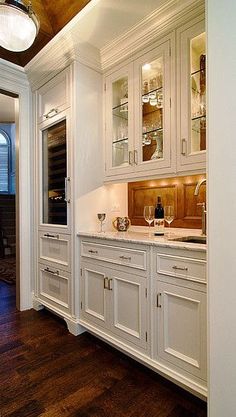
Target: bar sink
<point>191,239</point>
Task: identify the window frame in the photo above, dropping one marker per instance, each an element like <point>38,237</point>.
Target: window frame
<point>8,140</point>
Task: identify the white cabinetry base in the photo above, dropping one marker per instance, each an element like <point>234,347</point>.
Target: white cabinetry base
<point>194,387</point>
<point>74,327</point>
<point>37,305</point>
<point>72,324</point>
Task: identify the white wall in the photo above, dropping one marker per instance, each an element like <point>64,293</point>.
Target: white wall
<point>222,206</point>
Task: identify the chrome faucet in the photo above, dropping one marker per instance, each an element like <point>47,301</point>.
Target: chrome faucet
<point>203,205</point>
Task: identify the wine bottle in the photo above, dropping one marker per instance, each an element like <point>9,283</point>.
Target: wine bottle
<point>159,218</point>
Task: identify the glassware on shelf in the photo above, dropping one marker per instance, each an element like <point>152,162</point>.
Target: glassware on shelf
<point>152,109</point>
<point>149,214</point>
<point>101,218</point>
<point>169,216</point>
<point>198,93</point>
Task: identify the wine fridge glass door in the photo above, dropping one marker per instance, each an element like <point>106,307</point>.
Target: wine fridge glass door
<point>54,174</point>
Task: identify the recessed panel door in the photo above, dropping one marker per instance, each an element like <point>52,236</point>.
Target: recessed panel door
<point>128,308</point>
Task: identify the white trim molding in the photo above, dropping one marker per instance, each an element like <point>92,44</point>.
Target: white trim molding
<point>14,80</point>
<point>159,23</point>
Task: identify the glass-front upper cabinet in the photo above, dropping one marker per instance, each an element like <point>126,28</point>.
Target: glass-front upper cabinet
<point>119,120</point>
<point>192,97</point>
<point>152,74</point>
<point>54,177</point>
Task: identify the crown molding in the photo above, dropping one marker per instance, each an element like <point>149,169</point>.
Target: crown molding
<point>13,73</point>
<point>57,55</point>
<point>168,17</point>
<point>64,48</point>
<point>67,46</point>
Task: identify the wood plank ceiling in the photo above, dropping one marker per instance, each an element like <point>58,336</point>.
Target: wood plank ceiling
<point>53,16</point>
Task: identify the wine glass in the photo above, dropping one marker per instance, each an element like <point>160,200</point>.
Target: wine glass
<point>148,214</point>
<point>101,218</point>
<point>169,216</point>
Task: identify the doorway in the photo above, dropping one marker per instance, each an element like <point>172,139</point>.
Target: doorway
<point>9,277</point>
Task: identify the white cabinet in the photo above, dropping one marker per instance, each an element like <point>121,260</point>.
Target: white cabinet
<point>191,100</point>
<point>180,329</point>
<point>54,288</point>
<point>138,116</point>
<point>150,302</point>
<point>114,289</point>
<point>115,301</point>
<point>53,97</point>
<point>155,108</point>
<point>179,312</point>
<point>55,248</point>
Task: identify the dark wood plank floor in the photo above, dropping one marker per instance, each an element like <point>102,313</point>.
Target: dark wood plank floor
<point>45,371</point>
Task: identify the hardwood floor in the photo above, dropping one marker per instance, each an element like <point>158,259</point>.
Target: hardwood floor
<point>45,371</point>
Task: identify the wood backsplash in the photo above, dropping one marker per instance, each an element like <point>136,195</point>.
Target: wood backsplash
<point>178,191</point>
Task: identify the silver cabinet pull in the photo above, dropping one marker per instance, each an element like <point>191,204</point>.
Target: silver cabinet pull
<point>125,258</point>
<point>51,236</point>
<point>131,158</point>
<point>158,300</point>
<point>110,284</point>
<point>185,268</point>
<point>106,281</point>
<point>67,179</point>
<point>51,113</point>
<point>92,251</point>
<point>183,147</point>
<point>50,271</point>
<point>135,157</point>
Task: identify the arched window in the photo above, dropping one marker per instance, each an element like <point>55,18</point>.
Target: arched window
<point>4,162</point>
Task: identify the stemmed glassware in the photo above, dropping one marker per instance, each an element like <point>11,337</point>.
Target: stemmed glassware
<point>101,218</point>
<point>169,216</point>
<point>148,214</point>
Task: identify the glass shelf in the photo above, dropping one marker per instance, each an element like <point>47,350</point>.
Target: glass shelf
<point>120,140</point>
<point>120,105</point>
<point>153,130</point>
<point>203,70</point>
<point>199,117</point>
<point>152,91</point>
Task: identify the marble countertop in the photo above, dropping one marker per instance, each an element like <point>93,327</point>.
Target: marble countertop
<point>141,237</point>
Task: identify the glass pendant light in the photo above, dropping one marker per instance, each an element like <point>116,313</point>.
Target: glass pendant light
<point>19,25</point>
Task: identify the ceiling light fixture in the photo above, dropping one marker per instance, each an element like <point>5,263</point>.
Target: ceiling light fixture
<point>19,25</point>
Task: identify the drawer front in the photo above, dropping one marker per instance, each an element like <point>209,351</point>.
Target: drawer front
<point>181,267</point>
<point>117,255</point>
<point>55,248</point>
<point>53,97</point>
<point>54,286</point>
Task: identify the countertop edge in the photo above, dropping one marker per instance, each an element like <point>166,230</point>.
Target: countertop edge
<point>143,240</point>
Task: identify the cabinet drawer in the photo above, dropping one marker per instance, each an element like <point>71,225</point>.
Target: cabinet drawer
<point>181,267</point>
<point>55,248</point>
<point>53,97</point>
<point>53,286</point>
<point>133,258</point>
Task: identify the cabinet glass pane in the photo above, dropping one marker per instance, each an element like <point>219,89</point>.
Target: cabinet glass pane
<point>198,93</point>
<point>120,122</point>
<point>152,110</point>
<point>54,174</point>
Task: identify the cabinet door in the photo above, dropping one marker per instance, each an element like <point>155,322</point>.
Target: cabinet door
<point>180,327</point>
<point>53,97</point>
<point>119,122</point>
<point>129,307</point>
<point>192,98</point>
<point>94,295</point>
<point>152,80</point>
<point>54,172</point>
